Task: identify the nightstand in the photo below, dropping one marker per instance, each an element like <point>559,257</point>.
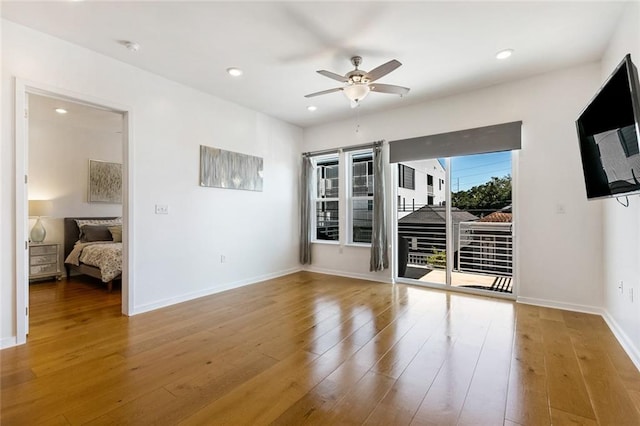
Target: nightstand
<point>44,261</point>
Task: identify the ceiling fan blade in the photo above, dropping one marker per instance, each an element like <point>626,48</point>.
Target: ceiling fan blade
<point>389,88</point>
<point>383,70</point>
<point>324,92</point>
<point>334,76</point>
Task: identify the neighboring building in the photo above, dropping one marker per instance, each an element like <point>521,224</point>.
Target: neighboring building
<point>425,231</point>
<point>327,223</point>
<point>420,183</point>
<point>361,197</point>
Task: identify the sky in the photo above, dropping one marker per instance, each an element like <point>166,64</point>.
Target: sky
<point>474,170</point>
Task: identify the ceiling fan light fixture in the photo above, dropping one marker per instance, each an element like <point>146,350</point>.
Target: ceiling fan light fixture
<point>356,92</point>
<point>312,108</point>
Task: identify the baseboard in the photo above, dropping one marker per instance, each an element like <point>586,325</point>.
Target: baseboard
<point>211,290</point>
<point>623,339</point>
<point>8,342</point>
<point>586,309</point>
<point>348,274</point>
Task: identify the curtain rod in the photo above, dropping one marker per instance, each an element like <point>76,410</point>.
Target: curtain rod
<point>344,149</point>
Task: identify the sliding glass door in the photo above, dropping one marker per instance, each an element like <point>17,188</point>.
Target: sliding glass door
<point>454,222</point>
<point>422,220</point>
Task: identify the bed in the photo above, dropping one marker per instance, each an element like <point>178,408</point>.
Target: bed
<point>99,259</point>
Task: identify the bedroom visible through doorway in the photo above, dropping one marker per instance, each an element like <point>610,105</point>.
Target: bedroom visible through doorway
<point>75,168</point>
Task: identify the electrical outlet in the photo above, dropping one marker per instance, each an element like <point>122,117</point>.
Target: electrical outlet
<point>162,209</point>
<point>621,287</point>
<point>223,258</point>
<point>631,294</point>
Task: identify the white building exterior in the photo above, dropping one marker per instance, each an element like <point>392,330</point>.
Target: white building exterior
<point>427,187</point>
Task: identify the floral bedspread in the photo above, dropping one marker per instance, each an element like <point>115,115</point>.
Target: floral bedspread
<point>105,255</point>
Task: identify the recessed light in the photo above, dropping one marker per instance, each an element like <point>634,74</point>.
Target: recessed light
<point>235,72</point>
<point>312,108</point>
<point>504,54</point>
<point>61,110</point>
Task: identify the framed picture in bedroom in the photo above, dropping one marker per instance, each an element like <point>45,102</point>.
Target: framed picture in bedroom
<point>105,182</point>
<point>230,170</point>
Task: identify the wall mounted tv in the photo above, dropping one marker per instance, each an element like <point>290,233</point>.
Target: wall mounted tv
<point>609,132</point>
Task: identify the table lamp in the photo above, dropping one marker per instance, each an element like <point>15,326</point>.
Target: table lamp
<point>39,209</point>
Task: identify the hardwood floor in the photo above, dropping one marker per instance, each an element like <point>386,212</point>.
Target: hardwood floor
<point>314,349</point>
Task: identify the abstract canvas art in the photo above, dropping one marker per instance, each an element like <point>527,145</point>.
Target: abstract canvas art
<point>226,169</point>
<point>105,182</point>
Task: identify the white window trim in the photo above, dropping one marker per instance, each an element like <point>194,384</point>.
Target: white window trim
<point>350,198</point>
<point>315,200</point>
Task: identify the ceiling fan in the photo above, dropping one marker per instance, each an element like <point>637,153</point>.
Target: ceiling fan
<point>359,83</point>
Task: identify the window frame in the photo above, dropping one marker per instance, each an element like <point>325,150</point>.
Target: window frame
<point>401,177</point>
<point>317,161</point>
<point>351,198</point>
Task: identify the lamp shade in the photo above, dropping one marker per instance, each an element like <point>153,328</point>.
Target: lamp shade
<point>40,208</point>
<point>356,92</point>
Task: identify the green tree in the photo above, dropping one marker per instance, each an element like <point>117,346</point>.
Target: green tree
<point>486,198</point>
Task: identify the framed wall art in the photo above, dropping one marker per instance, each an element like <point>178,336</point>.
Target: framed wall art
<point>105,182</point>
<point>231,170</point>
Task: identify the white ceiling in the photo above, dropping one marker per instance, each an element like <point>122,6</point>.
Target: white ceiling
<point>42,109</point>
<point>445,47</point>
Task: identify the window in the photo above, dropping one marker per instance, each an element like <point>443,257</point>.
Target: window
<point>361,197</point>
<point>406,177</point>
<point>327,183</point>
<point>350,198</point>
<point>429,200</point>
<point>429,180</point>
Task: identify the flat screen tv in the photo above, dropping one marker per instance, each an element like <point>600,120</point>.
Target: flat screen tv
<point>609,131</point>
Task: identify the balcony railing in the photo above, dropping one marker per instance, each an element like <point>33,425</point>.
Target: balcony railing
<point>485,247</point>
<point>479,247</point>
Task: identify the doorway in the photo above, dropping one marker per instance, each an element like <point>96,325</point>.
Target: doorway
<point>457,231</point>
<point>64,201</point>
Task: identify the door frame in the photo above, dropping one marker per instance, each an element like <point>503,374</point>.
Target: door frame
<point>22,89</point>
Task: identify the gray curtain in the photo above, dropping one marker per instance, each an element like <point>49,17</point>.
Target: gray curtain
<point>379,246</point>
<point>306,188</point>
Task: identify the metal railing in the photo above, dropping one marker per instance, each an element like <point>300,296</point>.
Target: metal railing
<point>485,247</point>
<point>479,247</point>
<point>427,243</point>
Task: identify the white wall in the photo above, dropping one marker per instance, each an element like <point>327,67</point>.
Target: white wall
<point>177,256</point>
<point>622,225</point>
<point>59,153</point>
<point>558,254</point>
